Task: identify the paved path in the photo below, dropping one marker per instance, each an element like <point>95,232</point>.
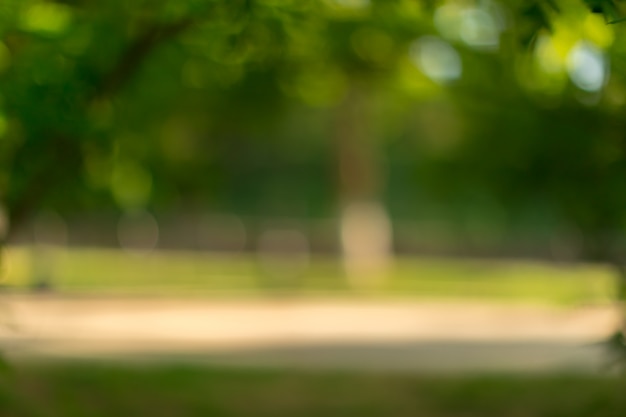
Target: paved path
<point>340,334</point>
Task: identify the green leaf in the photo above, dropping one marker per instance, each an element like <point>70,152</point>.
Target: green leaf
<point>608,8</point>
<point>46,18</point>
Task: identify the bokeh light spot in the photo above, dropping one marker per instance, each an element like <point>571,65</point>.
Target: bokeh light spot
<point>437,59</point>
<point>587,67</point>
<point>131,185</point>
<point>47,17</point>
<point>479,29</point>
<point>448,20</point>
<point>50,229</point>
<point>138,232</point>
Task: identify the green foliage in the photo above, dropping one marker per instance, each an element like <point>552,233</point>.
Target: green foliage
<point>609,8</point>
<point>92,271</point>
<point>98,94</point>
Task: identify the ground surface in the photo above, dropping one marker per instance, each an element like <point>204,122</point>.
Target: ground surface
<point>310,333</point>
<point>102,389</point>
<point>218,338</point>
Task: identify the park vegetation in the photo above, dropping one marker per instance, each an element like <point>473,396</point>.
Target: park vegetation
<point>509,116</point>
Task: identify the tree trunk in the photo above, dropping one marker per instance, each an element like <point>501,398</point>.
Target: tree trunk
<point>365,228</point>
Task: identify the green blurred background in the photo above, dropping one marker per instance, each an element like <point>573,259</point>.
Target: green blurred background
<point>355,129</point>
<point>447,149</point>
<point>472,128</point>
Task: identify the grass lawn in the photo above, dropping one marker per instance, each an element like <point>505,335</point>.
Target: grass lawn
<point>100,389</point>
<point>112,272</point>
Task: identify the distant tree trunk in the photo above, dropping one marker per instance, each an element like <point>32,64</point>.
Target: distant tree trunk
<point>365,229</point>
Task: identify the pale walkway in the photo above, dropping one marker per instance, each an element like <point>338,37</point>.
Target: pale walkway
<point>341,334</point>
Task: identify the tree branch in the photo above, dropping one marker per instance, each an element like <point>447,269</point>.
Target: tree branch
<point>68,152</point>
<point>65,152</point>
<point>135,54</point>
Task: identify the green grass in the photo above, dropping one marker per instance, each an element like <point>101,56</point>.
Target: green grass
<point>209,274</point>
<point>99,389</point>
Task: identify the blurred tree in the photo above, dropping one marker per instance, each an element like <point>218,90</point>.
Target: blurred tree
<point>132,105</point>
<point>543,132</point>
<point>85,87</point>
<point>109,103</point>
